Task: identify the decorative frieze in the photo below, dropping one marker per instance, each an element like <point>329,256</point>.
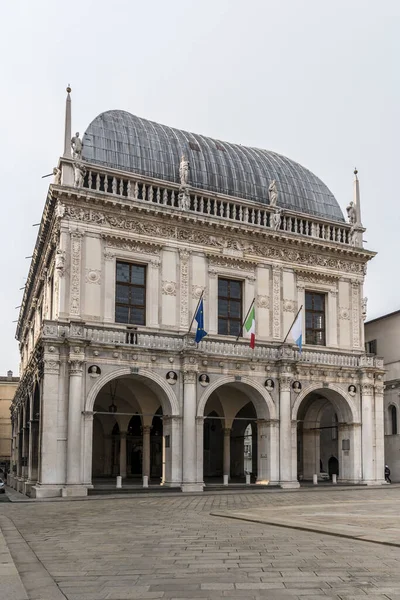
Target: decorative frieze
<point>129,245</point>
<point>355,295</point>
<point>184,256</point>
<point>257,249</point>
<point>75,286</point>
<point>276,303</point>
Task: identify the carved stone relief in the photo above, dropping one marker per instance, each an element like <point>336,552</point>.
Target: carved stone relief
<point>276,303</point>
<point>289,305</point>
<point>262,302</point>
<point>184,287</point>
<point>169,288</point>
<point>75,292</point>
<point>93,276</point>
<point>355,293</point>
<point>344,313</point>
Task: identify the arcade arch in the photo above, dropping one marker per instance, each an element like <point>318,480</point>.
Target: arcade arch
<point>132,418</point>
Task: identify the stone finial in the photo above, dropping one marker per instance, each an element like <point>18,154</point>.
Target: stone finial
<point>67,134</point>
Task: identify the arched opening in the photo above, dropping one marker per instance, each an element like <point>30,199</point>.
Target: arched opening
<point>327,437</point>
<point>128,433</point>
<point>238,436</point>
<point>393,419</point>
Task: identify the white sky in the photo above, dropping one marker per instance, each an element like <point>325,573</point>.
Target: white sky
<point>316,81</point>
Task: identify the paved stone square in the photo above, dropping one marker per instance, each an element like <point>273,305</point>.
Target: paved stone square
<point>172,547</point>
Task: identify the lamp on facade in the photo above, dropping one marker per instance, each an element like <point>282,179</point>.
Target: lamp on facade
<point>113,391</point>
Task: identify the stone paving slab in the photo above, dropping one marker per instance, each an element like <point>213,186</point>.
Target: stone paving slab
<point>172,547</point>
<point>368,520</point>
<point>11,587</point>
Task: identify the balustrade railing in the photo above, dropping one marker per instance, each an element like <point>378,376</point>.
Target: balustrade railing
<point>229,209</point>
<point>130,337</point>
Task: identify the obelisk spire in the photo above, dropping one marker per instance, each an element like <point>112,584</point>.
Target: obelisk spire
<point>67,136</point>
<point>356,198</point>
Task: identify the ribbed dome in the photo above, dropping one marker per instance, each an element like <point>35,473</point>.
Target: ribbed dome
<point>119,140</point>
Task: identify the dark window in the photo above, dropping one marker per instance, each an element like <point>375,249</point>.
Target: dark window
<point>130,294</point>
<point>229,306</point>
<point>393,419</point>
<point>370,347</point>
<point>315,319</point>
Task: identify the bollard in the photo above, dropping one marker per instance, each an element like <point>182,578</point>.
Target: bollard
<point>225,479</point>
<point>119,482</point>
<point>145,481</point>
<point>315,479</point>
<point>334,478</point>
<point>247,478</point>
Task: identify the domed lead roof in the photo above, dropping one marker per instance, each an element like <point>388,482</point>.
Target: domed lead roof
<point>119,140</point>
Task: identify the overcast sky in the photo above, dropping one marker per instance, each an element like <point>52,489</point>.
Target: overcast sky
<point>314,80</point>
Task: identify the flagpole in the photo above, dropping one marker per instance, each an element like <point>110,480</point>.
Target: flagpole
<point>245,319</point>
<point>294,321</point>
<point>195,312</point>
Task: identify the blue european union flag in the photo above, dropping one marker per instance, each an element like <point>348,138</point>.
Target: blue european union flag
<point>199,318</point>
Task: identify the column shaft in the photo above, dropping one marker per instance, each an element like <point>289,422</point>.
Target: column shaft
<point>227,451</point>
<point>122,454</point>
<point>74,424</point>
<point>146,451</point>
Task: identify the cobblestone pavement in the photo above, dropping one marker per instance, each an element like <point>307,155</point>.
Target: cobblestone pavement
<point>171,547</point>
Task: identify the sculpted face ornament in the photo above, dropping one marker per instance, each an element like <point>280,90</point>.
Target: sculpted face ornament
<point>352,390</point>
<point>94,371</point>
<point>171,377</point>
<point>269,385</point>
<point>204,379</point>
<point>296,387</point>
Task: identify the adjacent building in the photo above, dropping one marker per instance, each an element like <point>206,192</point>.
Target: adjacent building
<point>8,386</point>
<point>382,335</point>
<point>141,222</point>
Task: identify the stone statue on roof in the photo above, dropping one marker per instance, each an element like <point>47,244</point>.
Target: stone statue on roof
<point>276,219</point>
<point>272,193</point>
<point>79,172</point>
<point>76,145</point>
<point>57,176</point>
<point>351,213</point>
<point>184,170</point>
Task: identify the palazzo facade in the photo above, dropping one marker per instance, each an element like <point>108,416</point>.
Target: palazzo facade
<point>140,222</point>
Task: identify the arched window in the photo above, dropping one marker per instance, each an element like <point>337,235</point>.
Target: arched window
<point>393,419</point>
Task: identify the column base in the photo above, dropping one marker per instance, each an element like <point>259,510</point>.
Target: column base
<point>28,485</point>
<point>288,485</point>
<point>374,482</point>
<point>171,484</point>
<point>20,485</point>
<point>73,491</point>
<point>192,487</point>
<point>41,490</point>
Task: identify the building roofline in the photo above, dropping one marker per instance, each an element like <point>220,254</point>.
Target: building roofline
<point>391,314</point>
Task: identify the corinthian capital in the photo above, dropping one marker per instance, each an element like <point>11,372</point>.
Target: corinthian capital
<point>75,367</point>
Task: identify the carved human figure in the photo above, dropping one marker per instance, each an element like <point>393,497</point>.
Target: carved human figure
<point>352,390</point>
<point>364,302</point>
<point>272,193</point>
<point>76,145</point>
<point>60,210</point>
<point>94,371</point>
<point>79,172</point>
<point>60,260</point>
<point>297,387</point>
<point>351,213</point>
<point>57,176</point>
<point>204,379</point>
<point>172,377</point>
<point>276,220</point>
<point>184,170</point>
<point>184,199</point>
<point>269,385</point>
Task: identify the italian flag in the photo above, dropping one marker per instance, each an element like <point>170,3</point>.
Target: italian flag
<point>250,326</point>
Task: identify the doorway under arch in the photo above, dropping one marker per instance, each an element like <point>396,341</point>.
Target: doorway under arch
<point>234,413</point>
<point>128,434</point>
<point>328,438</point>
